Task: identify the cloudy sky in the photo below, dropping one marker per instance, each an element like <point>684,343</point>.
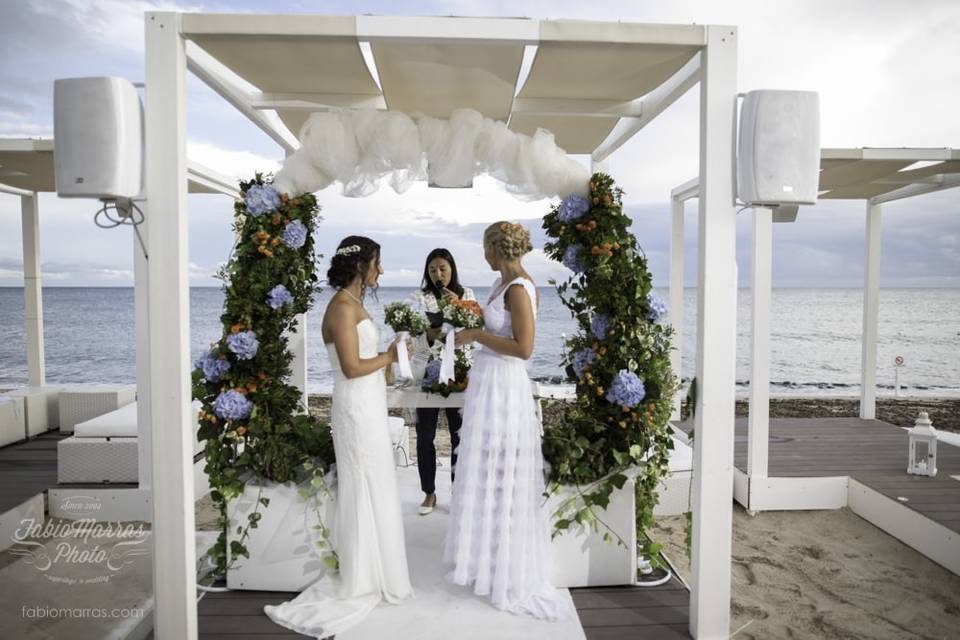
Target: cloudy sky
<point>886,71</point>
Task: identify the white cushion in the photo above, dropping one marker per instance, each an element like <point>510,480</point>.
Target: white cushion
<point>119,423</point>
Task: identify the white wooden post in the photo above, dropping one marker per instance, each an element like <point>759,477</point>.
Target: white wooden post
<point>871,310</point>
<point>759,420</point>
<point>141,323</point>
<point>298,345</point>
<point>676,296</point>
<point>716,353</point>
<point>174,552</point>
<point>32,288</point>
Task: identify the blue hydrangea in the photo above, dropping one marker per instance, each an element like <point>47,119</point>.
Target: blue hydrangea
<point>232,405</point>
<point>572,207</point>
<point>432,374</point>
<point>295,234</point>
<point>244,344</point>
<point>600,325</point>
<point>213,366</point>
<point>571,259</point>
<point>658,308</point>
<point>278,297</point>
<point>261,199</point>
<point>626,389</point>
<point>582,359</point>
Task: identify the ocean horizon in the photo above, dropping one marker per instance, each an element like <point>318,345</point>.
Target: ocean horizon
<point>815,337</point>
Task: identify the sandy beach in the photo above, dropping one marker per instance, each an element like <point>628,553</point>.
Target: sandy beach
<point>827,574</point>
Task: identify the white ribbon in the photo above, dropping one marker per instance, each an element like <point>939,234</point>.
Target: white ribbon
<point>403,360</point>
<point>447,370</point>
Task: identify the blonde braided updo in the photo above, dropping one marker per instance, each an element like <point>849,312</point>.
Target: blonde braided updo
<point>511,241</point>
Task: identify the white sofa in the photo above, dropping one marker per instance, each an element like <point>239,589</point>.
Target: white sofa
<point>105,449</point>
<point>41,406</point>
<point>12,421</point>
<point>78,403</point>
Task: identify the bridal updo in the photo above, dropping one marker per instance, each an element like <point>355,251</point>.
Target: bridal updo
<point>511,241</point>
<point>353,257</point>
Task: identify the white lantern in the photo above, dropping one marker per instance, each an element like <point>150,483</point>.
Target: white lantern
<point>923,447</point>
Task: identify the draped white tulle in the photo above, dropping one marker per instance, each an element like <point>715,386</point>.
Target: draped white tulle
<point>359,148</point>
<point>368,524</point>
<point>499,536</point>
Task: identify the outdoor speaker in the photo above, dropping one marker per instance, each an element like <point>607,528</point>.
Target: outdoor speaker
<point>778,159</point>
<point>98,138</point>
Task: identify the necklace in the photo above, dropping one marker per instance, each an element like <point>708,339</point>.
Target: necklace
<point>347,291</point>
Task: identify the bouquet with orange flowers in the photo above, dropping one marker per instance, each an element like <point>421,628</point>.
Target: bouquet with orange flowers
<point>455,363</point>
<point>462,314</point>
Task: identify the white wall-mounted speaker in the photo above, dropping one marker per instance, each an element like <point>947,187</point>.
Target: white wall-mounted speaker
<point>778,157</point>
<point>98,138</point>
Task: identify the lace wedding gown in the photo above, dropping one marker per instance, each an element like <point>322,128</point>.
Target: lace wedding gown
<point>368,525</point>
<point>499,536</point>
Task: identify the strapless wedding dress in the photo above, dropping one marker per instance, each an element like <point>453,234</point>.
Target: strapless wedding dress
<point>367,529</point>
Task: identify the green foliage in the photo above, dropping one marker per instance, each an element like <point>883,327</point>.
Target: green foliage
<point>277,442</point>
<point>598,443</point>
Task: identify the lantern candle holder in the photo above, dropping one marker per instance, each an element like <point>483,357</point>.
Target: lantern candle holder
<point>922,459</point>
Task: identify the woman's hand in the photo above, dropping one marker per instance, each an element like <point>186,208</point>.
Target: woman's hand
<point>467,336</point>
<point>450,296</point>
<point>392,350</point>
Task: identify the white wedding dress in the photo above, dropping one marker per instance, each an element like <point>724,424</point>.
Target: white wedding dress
<point>499,535</point>
<point>367,529</point>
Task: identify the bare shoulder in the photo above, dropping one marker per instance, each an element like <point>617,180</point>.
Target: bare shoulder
<point>340,312</point>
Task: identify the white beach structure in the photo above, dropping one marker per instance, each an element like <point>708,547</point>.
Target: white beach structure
<point>26,170</point>
<point>877,176</point>
<point>593,84</point>
<point>874,175</point>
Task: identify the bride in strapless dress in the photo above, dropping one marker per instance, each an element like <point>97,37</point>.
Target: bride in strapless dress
<point>368,526</point>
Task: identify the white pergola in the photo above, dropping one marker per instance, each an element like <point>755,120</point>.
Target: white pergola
<point>876,176</point>
<point>26,170</point>
<point>593,84</point>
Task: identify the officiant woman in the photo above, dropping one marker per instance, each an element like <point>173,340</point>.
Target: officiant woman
<point>440,281</point>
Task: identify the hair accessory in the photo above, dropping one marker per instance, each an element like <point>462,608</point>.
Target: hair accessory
<point>346,251</point>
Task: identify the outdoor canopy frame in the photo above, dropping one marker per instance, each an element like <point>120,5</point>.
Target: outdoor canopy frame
<point>593,84</point>
<point>875,175</point>
<point>26,170</point>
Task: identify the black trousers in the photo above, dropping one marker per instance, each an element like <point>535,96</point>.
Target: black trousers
<point>427,452</point>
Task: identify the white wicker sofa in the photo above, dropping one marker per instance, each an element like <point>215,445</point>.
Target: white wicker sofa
<point>104,449</point>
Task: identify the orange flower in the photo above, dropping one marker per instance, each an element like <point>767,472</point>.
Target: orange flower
<point>284,197</point>
<point>276,218</point>
<point>599,391</point>
<point>595,250</point>
<point>596,201</point>
<point>626,409</point>
<point>275,242</point>
<point>251,386</point>
<point>241,430</point>
<point>623,424</point>
<point>242,390</point>
<point>262,375</point>
<point>237,328</point>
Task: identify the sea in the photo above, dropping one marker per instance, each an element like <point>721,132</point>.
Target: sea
<point>815,337</point>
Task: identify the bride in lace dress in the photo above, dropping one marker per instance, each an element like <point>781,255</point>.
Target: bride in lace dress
<point>368,524</point>
<point>499,537</point>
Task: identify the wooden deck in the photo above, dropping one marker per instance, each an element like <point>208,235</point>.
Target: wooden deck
<point>606,613</point>
<point>28,468</point>
<point>869,451</point>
